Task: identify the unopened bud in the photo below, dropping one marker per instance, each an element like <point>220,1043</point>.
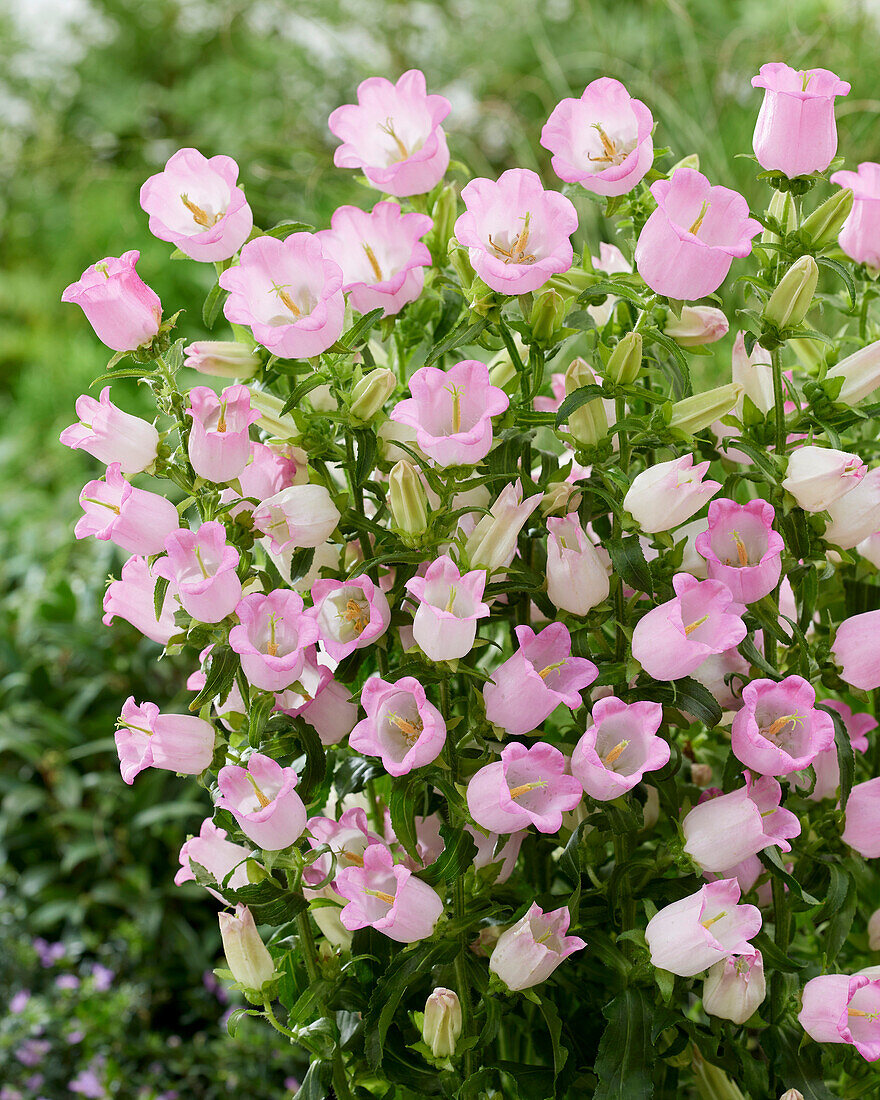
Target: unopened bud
<point>371,393</point>
<point>442,1024</point>
<point>444,213</point>
<point>547,316</point>
<point>701,774</point>
<point>792,1094</point>
<point>485,942</point>
<point>810,353</point>
<point>693,414</point>
<point>821,228</point>
<point>502,372</point>
<point>222,358</point>
<point>560,498</point>
<point>626,360</point>
<point>860,373</point>
<point>651,808</point>
<point>791,300</point>
<point>692,160</point>
<point>782,209</point>
<point>407,500</point>
<point>461,264</point>
<point>246,954</point>
<point>697,325</point>
<point>271,418</point>
<point>588,424</point>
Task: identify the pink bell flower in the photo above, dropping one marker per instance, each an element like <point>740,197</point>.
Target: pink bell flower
<point>839,1008</point>
<point>778,730</point>
<point>735,987</point>
<point>133,519</point>
<point>527,786</point>
<point>288,293</point>
<point>516,233</point>
<point>702,929</point>
<point>819,476</point>
<point>697,325</point>
<point>120,307</point>
<point>490,851</point>
<point>401,727</point>
<point>674,639</point>
<point>492,543</point>
<point>272,636</point>
<point>826,764</point>
<point>723,675</point>
<point>321,701</point>
<point>688,244</point>
<point>179,743</point>
<point>724,831</point>
<point>856,651</point>
<point>862,827</point>
<point>266,473</point>
<point>577,575</point>
<point>450,603</point>
<point>194,203</point>
<point>349,614</point>
<point>393,134</point>
<point>201,564</point>
<point>528,952</point>
<point>746,873</point>
<point>299,515</point>
<point>111,435</point>
<point>219,446</point>
<point>452,412</point>
<point>262,799</point>
<point>796,133</point>
<point>602,140</point>
<point>540,676</point>
<point>347,838</point>
<point>860,236</point>
<point>668,493</point>
<point>855,516</point>
<point>742,549</point>
<point>380,253</point>
<point>388,898</point>
<point>219,856</point>
<point>132,598</point>
<point>619,746</point>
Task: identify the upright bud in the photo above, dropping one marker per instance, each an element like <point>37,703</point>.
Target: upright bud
<point>693,414</point>
<point>782,209</point>
<point>626,360</point>
<point>822,227</point>
<point>442,1024</point>
<point>370,394</point>
<point>461,265</point>
<point>444,213</point>
<point>222,358</point>
<point>791,300</point>
<point>407,500</point>
<point>588,424</point>
<point>792,1094</point>
<point>547,316</point>
<point>246,954</point>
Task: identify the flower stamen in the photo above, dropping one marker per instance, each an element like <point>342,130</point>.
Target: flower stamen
<point>381,895</point>
<point>691,627</point>
<point>515,792</point>
<point>695,228</point>
<point>261,798</point>
<point>281,291</point>
<point>200,216</point>
<point>388,128</point>
<point>615,753</point>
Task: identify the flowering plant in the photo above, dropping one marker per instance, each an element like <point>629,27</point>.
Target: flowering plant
<point>519,665</point>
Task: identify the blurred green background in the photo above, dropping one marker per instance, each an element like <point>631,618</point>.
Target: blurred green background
<point>94,97</point>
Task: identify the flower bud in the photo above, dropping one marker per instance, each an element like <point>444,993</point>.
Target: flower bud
<point>874,931</point>
<point>701,774</point>
<point>444,213</point>
<point>792,1094</point>
<point>588,424</point>
<point>735,987</point>
<point>560,498</point>
<point>698,412</point>
<point>271,419</point>
<point>697,325</point>
<point>223,358</point>
<point>548,313</point>
<point>860,373</point>
<point>246,954</point>
<point>782,209</point>
<point>822,226</point>
<point>791,300</point>
<point>442,1024</point>
<point>492,543</point>
<point>692,160</point>
<point>371,393</point>
<point>407,500</point>
<point>626,360</point>
<point>461,264</point>
<point>810,353</point>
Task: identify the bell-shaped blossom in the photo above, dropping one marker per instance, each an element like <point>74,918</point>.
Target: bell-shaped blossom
<point>401,726</point>
<point>723,675</point>
<point>322,701</point>
<point>826,765</point>
<point>349,614</point>
<point>120,307</point>
<point>540,676</point>
<point>796,133</point>
<point>516,233</point>
<point>702,929</point>
<point>735,988</point>
<point>219,445</point>
<point>602,140</point>
<point>843,1008</point>
<point>577,576</point>
<point>819,476</point>
<point>668,493</point>
<point>742,549</point>
<point>674,639</point>
<point>381,255</point>
<point>389,898</point>
<point>271,638</point>
<point>855,516</point>
<point>688,244</point>
<point>219,856</point>
<point>263,800</point>
<point>288,293</point>
<point>393,134</point>
<point>201,564</point>
<point>619,746</point>
<point>133,519</point>
<point>528,952</point>
<point>696,326</point>
<point>346,838</point>
<point>452,412</point>
<point>723,831</point>
<point>194,203</point>
<point>495,849</point>
<point>450,603</point>
<point>746,873</point>
<point>492,543</point>
<point>266,473</point>
<point>856,651</point>
<point>778,730</point>
<point>179,743</point>
<point>111,435</point>
<point>246,954</point>
<point>527,786</point>
<point>862,827</point>
<point>299,515</point>
<point>860,236</point>
<point>132,598</point>
<point>860,373</point>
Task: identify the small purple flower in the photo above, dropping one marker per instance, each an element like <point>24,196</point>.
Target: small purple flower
<point>102,977</point>
<point>33,1051</point>
<point>67,982</point>
<point>19,1001</point>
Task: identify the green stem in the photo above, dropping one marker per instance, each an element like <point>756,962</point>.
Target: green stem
<point>273,1020</point>
<point>778,400</point>
<point>782,938</point>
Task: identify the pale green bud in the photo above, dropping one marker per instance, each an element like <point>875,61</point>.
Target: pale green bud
<point>588,424</point>
<point>791,300</point>
<point>560,498</point>
<point>271,419</point>
<point>810,353</point>
<point>782,209</point>
<point>548,313</point>
<point>461,264</point>
<point>246,954</point>
<point>692,160</point>
<point>626,360</point>
<point>444,213</point>
<point>371,393</point>
<point>823,225</point>
<point>442,1024</point>
<point>222,358</point>
<point>693,414</point>
<point>502,372</point>
<point>407,500</point>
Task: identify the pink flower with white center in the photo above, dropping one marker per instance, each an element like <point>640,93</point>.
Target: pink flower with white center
<point>324,703</point>
<point>219,856</point>
<point>491,850</point>
<point>540,676</point>
<point>266,473</point>
<point>856,651</point>
<point>452,412</point>
<point>445,623</point>
<point>839,1008</point>
<point>778,730</point>
<point>723,674</point>
<point>690,935</point>
<point>262,799</point>
<point>528,952</point>
<point>288,293</point>
<point>826,764</point>
<point>724,831</point>
<point>696,326</point>
<point>862,828</point>
<point>492,543</point>
<point>120,307</point>
<point>111,435</point>
<point>619,746</point>
<point>527,786</point>
<point>347,839</point>
<point>195,203</point>
<point>401,726</point>
<point>272,637</point>
<point>349,614</point>
<point>388,898</point>
<point>688,244</point>
<point>132,598</point>
<point>577,575</point>
<point>219,446</point>
<point>393,134</point>
<point>819,476</point>
<point>674,639</point>
<point>299,515</point>
<point>860,236</point>
<point>668,493</point>
<point>602,140</point>
<point>381,255</point>
<point>133,519</point>
<point>855,516</point>
<point>796,133</point>
<point>202,566</point>
<point>179,743</point>
<point>516,233</point>
<point>742,549</point>
<point>735,987</point>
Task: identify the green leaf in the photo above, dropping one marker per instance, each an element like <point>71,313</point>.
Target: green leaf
<point>849,282</point>
<point>575,400</point>
<point>367,449</point>
<point>316,1082</point>
<point>455,858</point>
<point>684,694</point>
<point>464,334</point>
<point>772,860</point>
<point>845,755</point>
<point>216,298</point>
<point>359,331</point>
<point>219,678</point>
<point>626,1054</point>
<point>159,596</point>
<point>554,1026</point>
<point>840,924</point>
<point>301,562</point>
<point>402,807</point>
<point>607,286</point>
<point>682,373</point>
<point>629,563</point>
<point>285,228</point>
<point>300,391</point>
